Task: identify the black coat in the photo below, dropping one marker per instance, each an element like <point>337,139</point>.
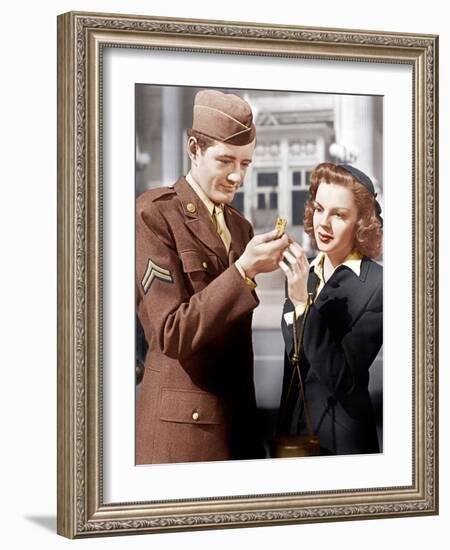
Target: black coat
<point>343,333</point>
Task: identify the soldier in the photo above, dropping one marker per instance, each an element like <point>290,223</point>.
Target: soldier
<point>196,259</point>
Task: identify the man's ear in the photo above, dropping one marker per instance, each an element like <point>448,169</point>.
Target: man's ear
<point>193,149</point>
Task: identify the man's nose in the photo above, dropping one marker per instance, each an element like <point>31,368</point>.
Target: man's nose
<point>235,176</point>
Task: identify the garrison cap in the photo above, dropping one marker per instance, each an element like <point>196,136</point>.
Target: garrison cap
<point>223,117</point>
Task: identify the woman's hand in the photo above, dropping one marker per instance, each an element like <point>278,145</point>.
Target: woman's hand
<point>296,269</point>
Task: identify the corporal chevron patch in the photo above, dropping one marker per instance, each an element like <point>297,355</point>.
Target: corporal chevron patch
<point>153,272</point>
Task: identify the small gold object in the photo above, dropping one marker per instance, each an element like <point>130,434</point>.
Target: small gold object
<point>250,283</point>
<point>195,415</point>
<point>280,226</point>
<point>205,265</point>
<point>289,446</point>
<point>191,207</point>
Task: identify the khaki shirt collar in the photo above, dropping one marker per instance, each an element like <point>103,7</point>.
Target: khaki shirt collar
<point>202,195</point>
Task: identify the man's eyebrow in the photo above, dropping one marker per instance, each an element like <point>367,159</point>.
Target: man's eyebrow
<point>231,157</point>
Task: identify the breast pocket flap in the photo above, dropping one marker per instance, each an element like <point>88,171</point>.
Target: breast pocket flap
<point>191,407</point>
<point>195,261</point>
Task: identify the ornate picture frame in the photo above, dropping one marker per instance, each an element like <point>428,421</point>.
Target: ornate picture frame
<point>82,40</point>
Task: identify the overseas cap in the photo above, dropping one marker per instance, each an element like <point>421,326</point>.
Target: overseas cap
<point>224,117</point>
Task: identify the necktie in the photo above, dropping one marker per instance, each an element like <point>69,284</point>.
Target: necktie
<point>221,227</point>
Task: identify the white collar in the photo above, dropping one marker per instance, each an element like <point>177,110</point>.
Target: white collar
<point>352,261</point>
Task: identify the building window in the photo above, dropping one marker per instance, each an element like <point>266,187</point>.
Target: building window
<point>308,178</point>
<point>301,178</point>
<point>261,201</point>
<point>273,201</point>
<point>238,202</point>
<point>299,199</point>
<point>268,201</point>
<point>267,195</point>
<point>267,179</point>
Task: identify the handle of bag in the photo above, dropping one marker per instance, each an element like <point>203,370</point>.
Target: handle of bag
<point>295,362</point>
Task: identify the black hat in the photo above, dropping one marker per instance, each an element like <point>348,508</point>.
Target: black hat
<point>364,179</point>
<point>360,176</point>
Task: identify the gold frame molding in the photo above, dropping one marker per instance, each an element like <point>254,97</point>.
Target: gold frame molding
<point>81,39</point>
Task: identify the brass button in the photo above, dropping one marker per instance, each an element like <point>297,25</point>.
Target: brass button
<point>191,207</point>
<point>195,415</point>
<point>205,264</point>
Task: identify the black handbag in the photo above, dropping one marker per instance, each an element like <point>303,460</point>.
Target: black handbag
<point>284,446</point>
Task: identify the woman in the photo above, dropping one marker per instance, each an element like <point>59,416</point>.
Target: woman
<point>336,303</point>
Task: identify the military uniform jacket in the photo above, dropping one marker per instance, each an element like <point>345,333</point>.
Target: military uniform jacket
<point>197,400</point>
<point>343,333</point>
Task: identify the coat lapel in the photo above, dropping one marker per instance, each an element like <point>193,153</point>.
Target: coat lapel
<point>313,281</point>
<point>346,287</point>
<point>198,220</point>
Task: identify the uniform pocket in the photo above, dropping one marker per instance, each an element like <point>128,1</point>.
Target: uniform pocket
<point>190,407</point>
<point>194,261</point>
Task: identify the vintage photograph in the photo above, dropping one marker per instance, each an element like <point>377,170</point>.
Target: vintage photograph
<point>245,338</point>
<point>259,273</point>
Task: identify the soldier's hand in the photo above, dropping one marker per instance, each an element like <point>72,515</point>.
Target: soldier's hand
<point>263,253</point>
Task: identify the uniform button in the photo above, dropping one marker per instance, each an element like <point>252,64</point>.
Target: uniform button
<point>195,415</point>
<point>323,296</point>
<point>191,207</point>
<point>205,264</point>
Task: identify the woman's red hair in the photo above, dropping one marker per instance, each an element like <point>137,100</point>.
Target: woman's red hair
<point>369,231</point>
